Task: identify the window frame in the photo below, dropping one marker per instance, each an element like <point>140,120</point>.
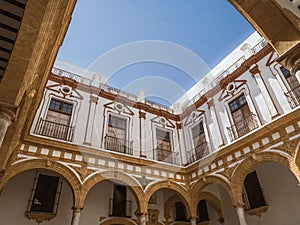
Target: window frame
<point>43,215</point>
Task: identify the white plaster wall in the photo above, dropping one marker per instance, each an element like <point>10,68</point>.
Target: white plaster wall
<point>212,214</point>
<point>282,194</point>
<point>15,197</point>
<point>97,129</point>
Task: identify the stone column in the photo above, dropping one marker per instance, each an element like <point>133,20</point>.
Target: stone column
<point>7,115</point>
<point>142,118</point>
<point>90,120</point>
<point>142,218</point>
<point>296,70</point>
<point>255,71</point>
<point>76,216</point>
<point>241,215</point>
<point>214,117</point>
<point>180,143</point>
<point>193,221</point>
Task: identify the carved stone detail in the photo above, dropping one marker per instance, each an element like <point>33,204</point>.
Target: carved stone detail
<point>227,172</point>
<point>83,171</point>
<point>289,147</point>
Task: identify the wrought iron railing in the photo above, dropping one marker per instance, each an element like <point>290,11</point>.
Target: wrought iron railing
<point>120,208</point>
<point>107,88</point>
<point>118,145</point>
<point>233,67</point>
<point>167,156</point>
<point>293,97</point>
<point>243,127</point>
<point>259,46</point>
<point>257,202</point>
<point>54,130</point>
<point>198,152</point>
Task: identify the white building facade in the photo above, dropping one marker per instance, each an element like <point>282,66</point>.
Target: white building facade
<point>96,155</point>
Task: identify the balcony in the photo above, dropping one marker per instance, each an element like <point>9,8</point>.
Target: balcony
<point>293,97</point>
<point>167,156</point>
<point>198,152</point>
<point>118,145</point>
<point>243,127</point>
<point>255,205</point>
<point>54,130</point>
<point>120,208</point>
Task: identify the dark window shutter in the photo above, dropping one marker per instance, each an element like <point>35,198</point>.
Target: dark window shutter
<point>253,190</point>
<point>44,195</point>
<point>202,211</point>
<point>180,212</point>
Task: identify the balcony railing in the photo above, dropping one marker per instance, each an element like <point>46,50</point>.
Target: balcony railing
<point>120,208</point>
<point>243,127</point>
<point>118,145</point>
<point>107,88</point>
<point>54,130</point>
<point>167,156</point>
<point>293,97</point>
<point>259,201</point>
<point>198,152</point>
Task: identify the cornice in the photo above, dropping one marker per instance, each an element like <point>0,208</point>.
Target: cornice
<point>176,117</point>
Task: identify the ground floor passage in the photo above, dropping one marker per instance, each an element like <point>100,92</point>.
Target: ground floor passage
<point>270,192</point>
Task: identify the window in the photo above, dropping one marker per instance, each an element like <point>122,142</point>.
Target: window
<point>244,120</point>
<point>253,195</point>
<point>180,212</point>
<point>200,145</point>
<point>45,195</point>
<point>202,211</point>
<point>163,145</point>
<point>119,206</point>
<point>117,127</point>
<point>116,138</point>
<point>293,95</point>
<point>57,122</point>
<point>59,112</point>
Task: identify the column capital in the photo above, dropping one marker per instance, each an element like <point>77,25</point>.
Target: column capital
<point>8,111</point>
<point>210,103</point>
<point>296,67</point>
<point>77,208</point>
<point>254,69</point>
<point>142,114</point>
<point>239,205</point>
<point>94,99</point>
<point>141,214</point>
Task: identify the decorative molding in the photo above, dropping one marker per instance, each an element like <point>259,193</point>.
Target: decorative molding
<point>254,70</point>
<point>258,211</point>
<point>228,94</point>
<point>289,147</point>
<point>8,110</point>
<point>39,217</point>
<point>115,106</point>
<point>83,171</point>
<point>228,171</point>
<point>142,115</point>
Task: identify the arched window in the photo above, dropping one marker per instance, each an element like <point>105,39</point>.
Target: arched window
<point>180,212</point>
<point>202,211</point>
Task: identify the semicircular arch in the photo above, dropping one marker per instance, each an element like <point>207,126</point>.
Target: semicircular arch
<point>56,167</point>
<point>179,189</point>
<point>247,165</point>
<point>118,177</point>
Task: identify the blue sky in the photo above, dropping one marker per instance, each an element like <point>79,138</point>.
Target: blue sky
<point>210,29</point>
